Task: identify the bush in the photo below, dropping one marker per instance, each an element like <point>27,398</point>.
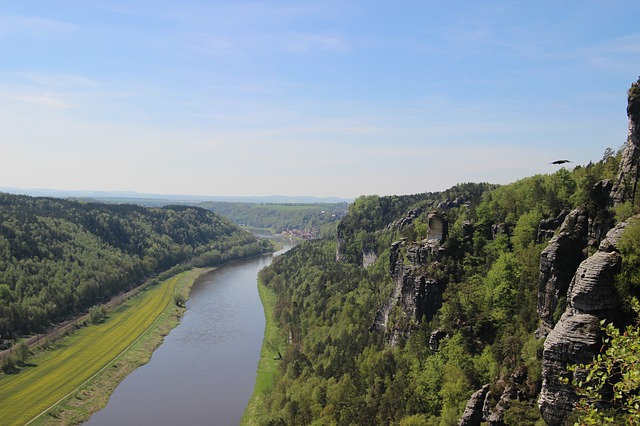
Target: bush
<point>22,353</point>
<point>9,364</point>
<point>179,300</point>
<point>97,314</point>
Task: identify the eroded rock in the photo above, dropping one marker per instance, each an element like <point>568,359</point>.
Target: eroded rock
<point>625,186</point>
<point>558,263</point>
<point>577,337</point>
<point>472,415</point>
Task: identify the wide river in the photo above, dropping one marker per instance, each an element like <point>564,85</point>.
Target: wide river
<point>204,371</point>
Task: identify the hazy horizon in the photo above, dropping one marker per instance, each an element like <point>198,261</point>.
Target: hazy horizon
<point>337,98</point>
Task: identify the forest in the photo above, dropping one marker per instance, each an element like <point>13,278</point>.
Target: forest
<point>322,217</point>
<point>59,257</point>
<point>340,367</point>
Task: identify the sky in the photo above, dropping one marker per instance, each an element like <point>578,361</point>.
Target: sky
<point>320,98</point>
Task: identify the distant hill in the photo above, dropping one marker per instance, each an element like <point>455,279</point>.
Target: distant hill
<point>155,199</point>
<point>59,257</point>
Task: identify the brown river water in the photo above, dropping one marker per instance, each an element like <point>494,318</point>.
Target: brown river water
<point>204,371</point>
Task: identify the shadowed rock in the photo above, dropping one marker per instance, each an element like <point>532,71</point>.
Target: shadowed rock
<point>558,263</point>
<point>577,337</point>
<point>624,188</point>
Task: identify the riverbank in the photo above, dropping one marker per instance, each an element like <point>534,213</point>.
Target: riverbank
<point>268,365</point>
<point>75,377</point>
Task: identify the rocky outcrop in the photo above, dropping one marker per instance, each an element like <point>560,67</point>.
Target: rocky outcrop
<point>472,415</point>
<point>435,338</point>
<point>625,186</point>
<point>577,336</point>
<point>547,227</point>
<point>368,258</point>
<point>407,220</point>
<point>558,263</point>
<point>438,227</point>
<point>414,295</point>
<point>340,249</point>
<point>600,218</point>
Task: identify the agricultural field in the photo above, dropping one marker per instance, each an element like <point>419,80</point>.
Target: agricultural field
<point>75,360</point>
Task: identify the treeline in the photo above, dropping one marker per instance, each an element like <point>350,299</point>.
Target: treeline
<point>280,217</point>
<point>58,257</point>
<point>336,369</point>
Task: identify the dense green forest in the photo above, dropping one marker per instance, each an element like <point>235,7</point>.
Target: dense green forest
<point>60,257</point>
<point>280,217</point>
<point>338,367</point>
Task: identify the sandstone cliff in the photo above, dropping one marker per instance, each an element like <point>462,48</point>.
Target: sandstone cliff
<point>576,338</point>
<point>625,186</point>
<point>416,292</point>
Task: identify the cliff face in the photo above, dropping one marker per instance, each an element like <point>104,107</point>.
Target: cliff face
<point>416,293</point>
<point>625,186</point>
<point>582,229</point>
<point>558,263</point>
<point>576,338</point>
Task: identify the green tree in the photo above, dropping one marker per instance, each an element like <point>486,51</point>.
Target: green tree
<point>610,391</point>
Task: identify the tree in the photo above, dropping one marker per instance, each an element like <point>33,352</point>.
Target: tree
<point>610,392</point>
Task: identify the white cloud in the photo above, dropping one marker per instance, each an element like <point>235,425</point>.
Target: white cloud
<point>34,25</point>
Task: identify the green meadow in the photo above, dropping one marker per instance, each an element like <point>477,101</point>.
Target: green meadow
<point>268,364</point>
<point>78,359</point>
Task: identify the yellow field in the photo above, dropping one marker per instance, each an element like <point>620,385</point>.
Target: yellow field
<point>77,358</point>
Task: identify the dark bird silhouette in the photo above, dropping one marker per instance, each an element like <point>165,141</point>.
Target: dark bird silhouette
<point>560,162</point>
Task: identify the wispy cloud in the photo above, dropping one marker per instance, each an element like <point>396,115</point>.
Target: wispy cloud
<point>45,100</point>
<point>58,80</point>
<point>34,25</point>
<point>309,42</point>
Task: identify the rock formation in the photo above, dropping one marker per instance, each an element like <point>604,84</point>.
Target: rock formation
<point>577,336</point>
<point>368,258</point>
<point>624,188</point>
<point>415,293</point>
<point>472,415</point>
<point>547,227</point>
<point>437,227</point>
<point>407,220</point>
<point>558,263</point>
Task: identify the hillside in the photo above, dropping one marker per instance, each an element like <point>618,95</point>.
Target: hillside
<point>60,257</point>
<point>321,218</point>
<point>465,306</point>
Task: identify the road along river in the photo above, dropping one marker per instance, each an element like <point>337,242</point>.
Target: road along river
<point>204,371</point>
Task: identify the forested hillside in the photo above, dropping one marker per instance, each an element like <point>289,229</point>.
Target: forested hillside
<point>280,217</point>
<point>60,257</point>
<point>424,300</point>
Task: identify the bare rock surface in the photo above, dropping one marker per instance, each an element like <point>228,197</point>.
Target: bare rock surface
<point>472,415</point>
<point>558,263</point>
<point>624,188</point>
<point>577,337</point>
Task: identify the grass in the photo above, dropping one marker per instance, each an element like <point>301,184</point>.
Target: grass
<point>268,364</point>
<point>74,378</point>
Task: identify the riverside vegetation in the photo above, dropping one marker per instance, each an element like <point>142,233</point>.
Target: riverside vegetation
<point>58,257</point>
<point>423,300</point>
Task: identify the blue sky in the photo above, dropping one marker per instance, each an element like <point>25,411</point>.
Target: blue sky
<point>315,98</point>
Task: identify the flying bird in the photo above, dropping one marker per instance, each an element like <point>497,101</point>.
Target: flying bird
<point>560,162</point>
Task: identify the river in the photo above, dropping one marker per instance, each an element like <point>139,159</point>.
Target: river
<point>204,371</point>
